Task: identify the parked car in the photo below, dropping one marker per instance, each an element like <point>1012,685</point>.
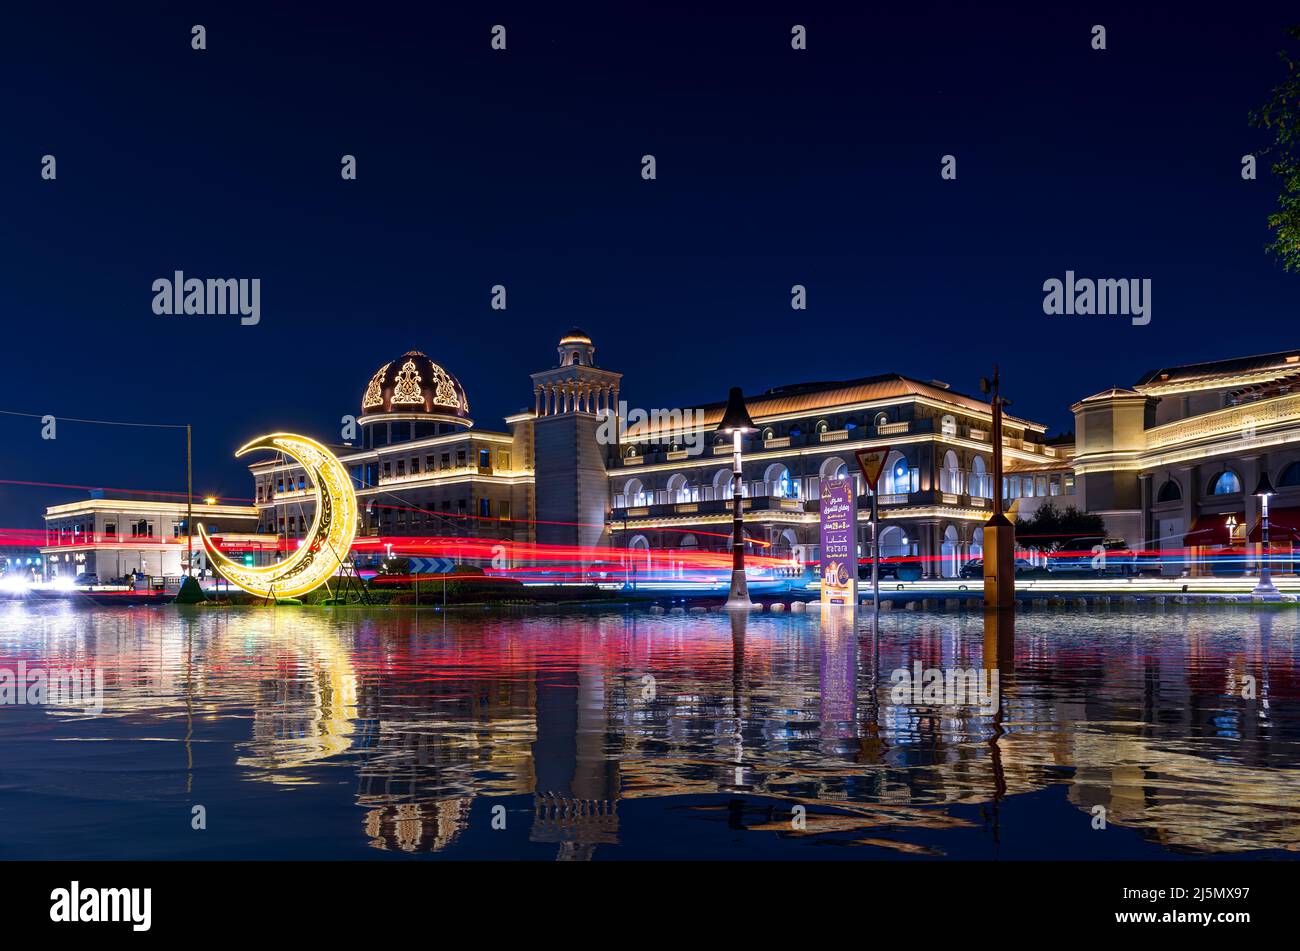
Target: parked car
<point>86,578</point>
<point>891,569</point>
<point>1094,555</point>
<point>975,568</point>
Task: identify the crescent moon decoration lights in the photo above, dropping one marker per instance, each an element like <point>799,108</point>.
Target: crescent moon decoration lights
<point>327,542</point>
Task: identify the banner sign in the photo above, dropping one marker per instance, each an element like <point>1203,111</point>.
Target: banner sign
<point>872,463</point>
<point>839,541</point>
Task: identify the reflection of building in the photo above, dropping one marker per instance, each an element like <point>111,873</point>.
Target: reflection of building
<point>1174,460</point>
<point>114,537</point>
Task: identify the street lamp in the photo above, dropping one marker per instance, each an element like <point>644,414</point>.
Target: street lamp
<point>736,421</point>
<point>1264,589</point>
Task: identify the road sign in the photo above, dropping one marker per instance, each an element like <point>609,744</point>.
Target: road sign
<point>431,566</point>
<point>872,463</point>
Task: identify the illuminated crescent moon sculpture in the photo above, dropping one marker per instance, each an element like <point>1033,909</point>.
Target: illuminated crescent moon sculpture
<point>327,543</point>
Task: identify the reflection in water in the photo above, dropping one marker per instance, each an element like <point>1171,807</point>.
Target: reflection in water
<point>628,734</point>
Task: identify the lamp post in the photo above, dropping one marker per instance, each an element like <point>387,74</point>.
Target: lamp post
<point>736,421</point>
<point>1264,589</point>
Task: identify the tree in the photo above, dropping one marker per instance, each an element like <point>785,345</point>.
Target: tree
<point>1050,528</point>
<point>1281,116</point>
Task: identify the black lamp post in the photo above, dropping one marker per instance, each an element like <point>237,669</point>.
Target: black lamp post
<point>1264,589</point>
<point>736,421</point>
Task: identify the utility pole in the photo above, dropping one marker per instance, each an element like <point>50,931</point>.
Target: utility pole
<point>999,533</point>
<point>189,503</point>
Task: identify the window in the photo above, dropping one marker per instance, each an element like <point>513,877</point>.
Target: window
<point>415,466</point>
<point>503,459</point>
<point>1225,483</point>
<point>503,508</point>
<point>1169,492</point>
<point>1290,475</point>
<point>485,458</point>
<point>279,484</point>
<point>446,460</point>
<point>460,458</point>
<point>110,528</point>
<point>302,482</point>
<point>428,463</point>
<point>401,468</point>
<point>388,469</point>
<point>485,508</point>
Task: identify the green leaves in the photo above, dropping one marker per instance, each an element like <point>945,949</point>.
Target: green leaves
<point>1281,116</point>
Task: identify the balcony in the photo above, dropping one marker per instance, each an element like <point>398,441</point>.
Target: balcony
<point>893,429</point>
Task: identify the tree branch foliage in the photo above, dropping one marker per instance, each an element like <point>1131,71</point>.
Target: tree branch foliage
<point>1050,528</point>
<point>1281,116</point>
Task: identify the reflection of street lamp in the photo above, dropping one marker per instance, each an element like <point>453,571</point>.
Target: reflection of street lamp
<point>1265,587</point>
<point>736,421</point>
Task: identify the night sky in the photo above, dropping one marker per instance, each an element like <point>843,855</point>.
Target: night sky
<point>522,168</point>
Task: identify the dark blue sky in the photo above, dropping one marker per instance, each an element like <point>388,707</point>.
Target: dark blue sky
<point>522,168</point>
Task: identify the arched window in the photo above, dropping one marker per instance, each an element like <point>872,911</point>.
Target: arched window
<point>897,477</point>
<point>769,433</point>
<point>634,493</point>
<point>778,482</point>
<point>950,475</point>
<point>981,486</point>
<point>1226,482</point>
<point>882,419</point>
<point>678,490</point>
<point>823,426</point>
<point>1290,475</point>
<point>949,552</point>
<point>833,468</point>
<point>1169,492</point>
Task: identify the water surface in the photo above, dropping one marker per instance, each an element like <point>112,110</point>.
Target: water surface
<point>390,735</point>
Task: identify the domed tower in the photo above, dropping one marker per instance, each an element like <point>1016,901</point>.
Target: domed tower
<point>412,397</point>
<point>576,349</point>
<point>571,443</point>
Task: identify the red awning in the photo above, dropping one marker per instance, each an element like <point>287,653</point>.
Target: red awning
<point>1283,526</point>
<point>1212,530</point>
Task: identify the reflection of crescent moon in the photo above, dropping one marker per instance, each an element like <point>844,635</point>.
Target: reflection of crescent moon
<point>328,541</point>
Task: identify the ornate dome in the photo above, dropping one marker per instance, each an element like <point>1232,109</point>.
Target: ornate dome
<point>414,384</point>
